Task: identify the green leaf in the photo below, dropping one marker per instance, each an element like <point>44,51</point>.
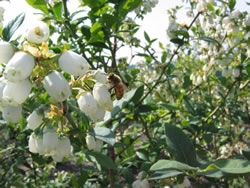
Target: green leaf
<point>104,134</point>
<point>12,26</point>
<point>165,174</point>
<point>232,4</point>
<point>210,7</point>
<point>103,160</point>
<point>183,33</point>
<point>137,95</point>
<point>232,166</point>
<point>212,174</point>
<point>209,39</point>
<point>177,41</point>
<point>57,10</point>
<point>128,5</point>
<point>39,4</point>
<point>146,36</point>
<point>180,145</point>
<point>170,164</point>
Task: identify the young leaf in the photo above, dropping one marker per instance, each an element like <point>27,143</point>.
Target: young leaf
<point>170,164</point>
<point>104,134</point>
<point>146,36</point>
<point>232,4</point>
<point>231,166</point>
<point>165,174</point>
<point>39,4</point>
<point>12,26</point>
<point>103,160</point>
<point>180,145</point>
<point>209,39</point>
<point>57,10</point>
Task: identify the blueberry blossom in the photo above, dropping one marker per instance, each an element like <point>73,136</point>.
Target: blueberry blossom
<point>57,86</point>
<point>15,93</point>
<point>87,103</point>
<point>19,67</point>
<point>37,32</point>
<point>35,119</point>
<point>12,114</point>
<point>63,149</point>
<point>103,96</point>
<point>6,52</point>
<point>73,63</point>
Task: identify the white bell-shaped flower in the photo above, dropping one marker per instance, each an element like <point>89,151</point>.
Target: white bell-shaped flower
<point>73,63</point>
<point>57,86</point>
<point>37,32</point>
<point>87,103</point>
<point>198,80</point>
<point>2,86</point>
<point>136,184</point>
<point>50,140</point>
<point>91,143</point>
<point>98,115</point>
<point>35,119</point>
<point>63,149</point>
<point>15,93</point>
<point>39,145</point>
<point>236,72</point>
<point>144,184</point>
<point>101,76</point>
<point>19,67</point>
<point>98,145</point>
<point>12,114</point>
<point>172,28</point>
<point>6,52</point>
<point>102,96</point>
<point>32,144</point>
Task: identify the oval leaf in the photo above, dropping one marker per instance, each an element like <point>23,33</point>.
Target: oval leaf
<point>12,26</point>
<point>170,164</point>
<point>180,145</point>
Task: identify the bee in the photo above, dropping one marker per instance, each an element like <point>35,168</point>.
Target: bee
<point>117,84</point>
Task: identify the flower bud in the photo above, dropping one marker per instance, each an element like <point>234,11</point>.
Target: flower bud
<point>87,103</point>
<point>235,14</point>
<point>39,145</point>
<point>2,86</point>
<point>100,76</point>
<point>98,115</point>
<point>57,86</point>
<point>19,67</point>
<point>6,52</point>
<point>172,27</point>
<point>102,96</point>
<point>32,144</point>
<point>37,32</point>
<point>136,184</point>
<point>198,80</point>
<point>12,114</point>
<point>50,139</point>
<point>91,143</point>
<point>73,63</point>
<point>236,72</point>
<point>15,93</point>
<point>63,149</point>
<point>144,184</point>
<point>98,145</point>
<point>34,120</point>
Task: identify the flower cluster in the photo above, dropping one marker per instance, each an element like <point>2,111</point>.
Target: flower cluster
<point>49,144</point>
<point>20,74</point>
<point>147,6</point>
